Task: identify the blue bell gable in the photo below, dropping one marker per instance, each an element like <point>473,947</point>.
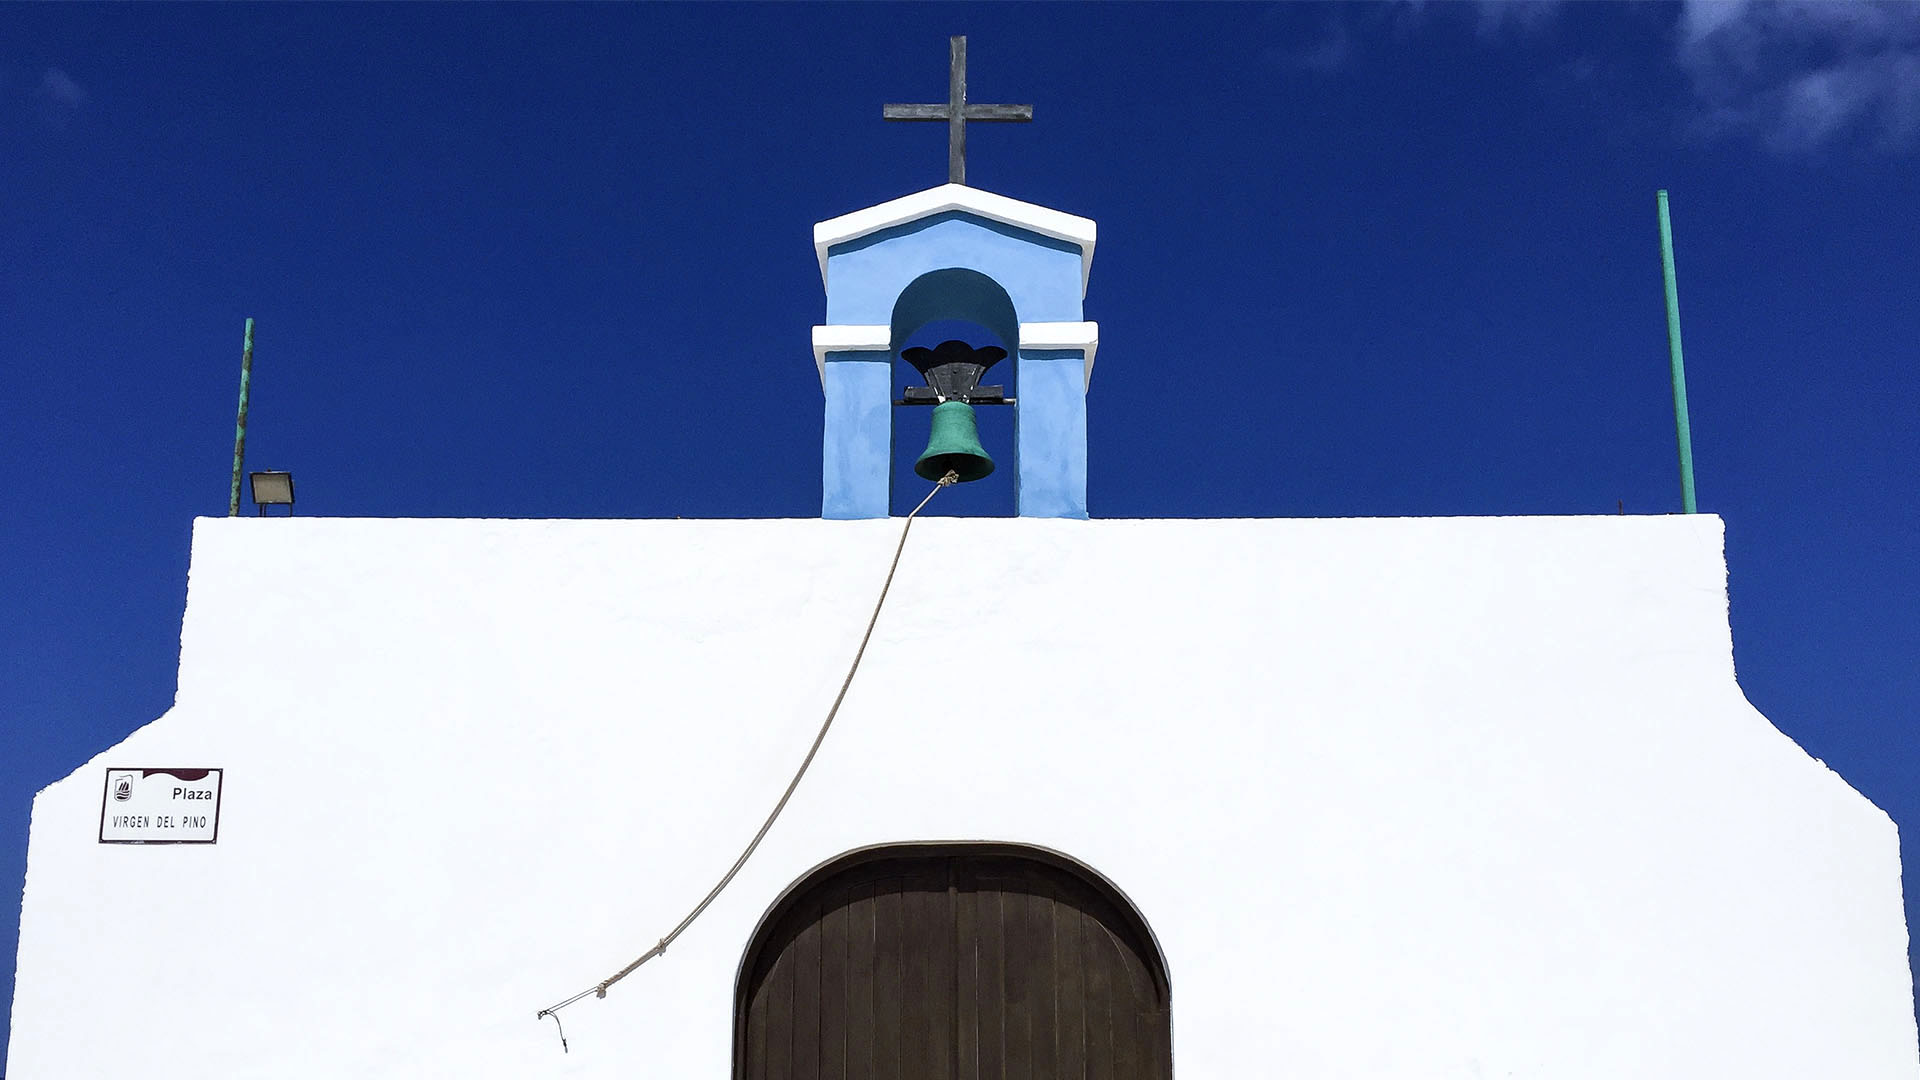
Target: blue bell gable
<point>955,253</point>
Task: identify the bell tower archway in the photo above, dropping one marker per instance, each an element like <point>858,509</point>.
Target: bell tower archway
<point>955,253</point>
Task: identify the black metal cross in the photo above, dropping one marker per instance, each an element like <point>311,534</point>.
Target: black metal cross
<point>956,112</point>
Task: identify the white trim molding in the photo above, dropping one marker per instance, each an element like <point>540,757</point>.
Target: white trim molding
<point>1055,223</point>
<point>1062,335</point>
<point>855,337</point>
<point>848,337</point>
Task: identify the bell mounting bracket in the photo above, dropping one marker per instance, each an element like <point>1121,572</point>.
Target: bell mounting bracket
<point>953,370</point>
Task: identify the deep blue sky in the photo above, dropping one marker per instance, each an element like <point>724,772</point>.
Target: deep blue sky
<point>556,261</point>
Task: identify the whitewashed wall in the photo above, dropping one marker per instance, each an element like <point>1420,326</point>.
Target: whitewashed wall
<point>1458,798</point>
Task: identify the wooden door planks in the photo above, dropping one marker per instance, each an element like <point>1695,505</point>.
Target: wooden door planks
<point>950,965</point>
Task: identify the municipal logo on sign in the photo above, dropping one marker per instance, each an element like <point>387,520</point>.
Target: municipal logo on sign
<point>161,806</point>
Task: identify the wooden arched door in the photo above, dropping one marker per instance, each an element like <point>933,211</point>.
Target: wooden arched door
<point>966,962</point>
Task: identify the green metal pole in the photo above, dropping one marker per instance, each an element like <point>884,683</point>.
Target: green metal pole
<point>1683,431</point>
<point>240,428</point>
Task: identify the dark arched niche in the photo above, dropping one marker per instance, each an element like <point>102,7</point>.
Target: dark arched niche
<point>952,962</point>
<point>957,294</point>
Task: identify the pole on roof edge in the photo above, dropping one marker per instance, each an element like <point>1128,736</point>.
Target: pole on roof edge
<point>240,427</point>
<point>1683,431</point>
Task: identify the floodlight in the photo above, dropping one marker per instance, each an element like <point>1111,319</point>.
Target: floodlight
<point>272,489</point>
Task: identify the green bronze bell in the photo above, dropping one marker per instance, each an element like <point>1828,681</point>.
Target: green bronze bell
<point>953,373</point>
<point>954,443</point>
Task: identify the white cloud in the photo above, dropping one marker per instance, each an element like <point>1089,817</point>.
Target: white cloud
<point>1336,47</point>
<point>59,96</point>
<point>1525,16</point>
<point>1330,53</point>
<point>1804,74</point>
<point>1797,75</point>
<point>59,87</point>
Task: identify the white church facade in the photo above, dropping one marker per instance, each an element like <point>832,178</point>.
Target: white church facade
<point>1400,798</point>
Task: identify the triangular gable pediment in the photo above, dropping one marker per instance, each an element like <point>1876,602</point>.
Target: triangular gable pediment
<point>946,198</point>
